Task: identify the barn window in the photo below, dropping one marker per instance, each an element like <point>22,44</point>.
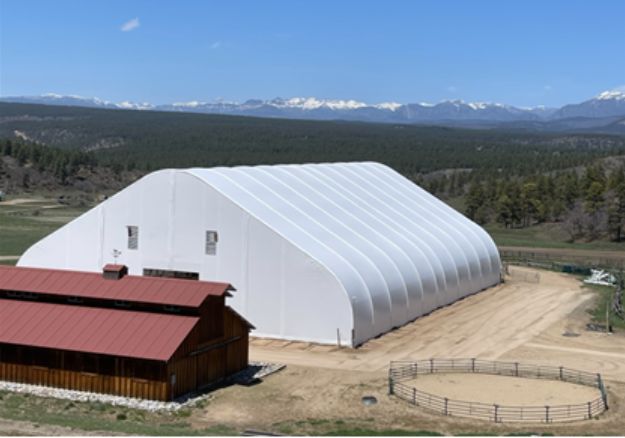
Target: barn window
<point>211,243</point>
<point>149,272</point>
<point>133,236</point>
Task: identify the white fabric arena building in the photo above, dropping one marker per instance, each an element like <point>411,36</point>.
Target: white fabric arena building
<point>318,252</point>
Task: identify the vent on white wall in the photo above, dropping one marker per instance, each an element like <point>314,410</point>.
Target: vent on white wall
<point>133,237</point>
<point>211,243</point>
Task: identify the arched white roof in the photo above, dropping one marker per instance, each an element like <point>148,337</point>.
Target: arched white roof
<point>397,251</point>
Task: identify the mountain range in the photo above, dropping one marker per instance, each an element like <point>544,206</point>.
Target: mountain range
<point>603,113</point>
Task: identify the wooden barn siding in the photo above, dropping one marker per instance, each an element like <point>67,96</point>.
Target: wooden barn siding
<point>197,365</point>
<point>84,381</point>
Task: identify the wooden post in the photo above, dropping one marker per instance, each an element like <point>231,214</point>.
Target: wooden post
<point>496,412</point>
<point>390,382</point>
<point>561,373</point>
<point>516,369</point>
<point>589,411</point>
<point>446,406</point>
<point>546,414</point>
<point>472,364</point>
<point>431,366</point>
<point>414,396</point>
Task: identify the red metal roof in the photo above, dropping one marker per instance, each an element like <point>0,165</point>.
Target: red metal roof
<point>115,332</point>
<point>153,290</point>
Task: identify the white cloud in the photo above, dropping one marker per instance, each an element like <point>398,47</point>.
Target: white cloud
<point>215,45</point>
<point>130,25</point>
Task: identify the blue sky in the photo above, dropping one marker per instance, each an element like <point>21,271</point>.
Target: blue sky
<point>518,52</point>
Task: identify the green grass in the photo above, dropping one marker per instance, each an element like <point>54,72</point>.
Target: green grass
<point>380,432</point>
<point>548,235</point>
<point>343,427</point>
<point>24,224</point>
<point>99,417</point>
<point>604,296</point>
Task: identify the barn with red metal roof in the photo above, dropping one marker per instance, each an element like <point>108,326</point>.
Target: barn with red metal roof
<point>154,338</point>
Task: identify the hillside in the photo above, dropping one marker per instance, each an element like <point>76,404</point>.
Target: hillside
<point>149,140</point>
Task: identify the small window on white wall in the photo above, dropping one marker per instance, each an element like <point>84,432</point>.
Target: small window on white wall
<point>211,243</point>
<point>133,236</point>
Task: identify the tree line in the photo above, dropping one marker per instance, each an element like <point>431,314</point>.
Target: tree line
<point>589,203</point>
<point>61,163</point>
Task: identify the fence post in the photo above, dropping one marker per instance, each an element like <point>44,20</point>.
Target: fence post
<point>446,405</point>
<point>414,396</point>
<point>390,382</point>
<point>604,394</point>
<point>589,411</point>
<point>472,364</point>
<point>496,412</point>
<point>431,366</point>
<point>561,373</point>
<point>516,369</point>
<point>546,414</point>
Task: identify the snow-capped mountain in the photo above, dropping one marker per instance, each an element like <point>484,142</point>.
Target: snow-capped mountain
<point>606,104</point>
<point>328,109</point>
<point>73,100</point>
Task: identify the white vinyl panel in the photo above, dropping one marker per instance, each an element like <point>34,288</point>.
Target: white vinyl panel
<point>352,216</point>
<point>418,204</point>
<point>287,204</point>
<point>429,265</point>
<point>333,218</point>
<point>476,238</point>
<point>446,245</point>
<point>438,251</point>
<point>354,285</point>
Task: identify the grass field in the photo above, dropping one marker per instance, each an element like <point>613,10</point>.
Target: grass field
<point>99,417</point>
<point>604,294</point>
<point>25,221</point>
<point>547,235</point>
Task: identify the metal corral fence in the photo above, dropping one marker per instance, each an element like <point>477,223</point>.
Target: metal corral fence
<point>575,262</point>
<point>402,371</point>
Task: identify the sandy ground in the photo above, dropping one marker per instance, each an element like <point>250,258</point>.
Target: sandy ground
<point>18,201</point>
<point>521,319</point>
<point>503,390</point>
<point>315,400</point>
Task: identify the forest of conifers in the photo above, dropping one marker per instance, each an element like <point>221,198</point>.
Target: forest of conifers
<point>516,178</point>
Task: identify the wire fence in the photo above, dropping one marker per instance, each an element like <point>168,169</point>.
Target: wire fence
<point>402,371</point>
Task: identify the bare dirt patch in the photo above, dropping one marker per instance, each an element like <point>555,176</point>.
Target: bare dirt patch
<point>503,390</point>
<point>486,325</point>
